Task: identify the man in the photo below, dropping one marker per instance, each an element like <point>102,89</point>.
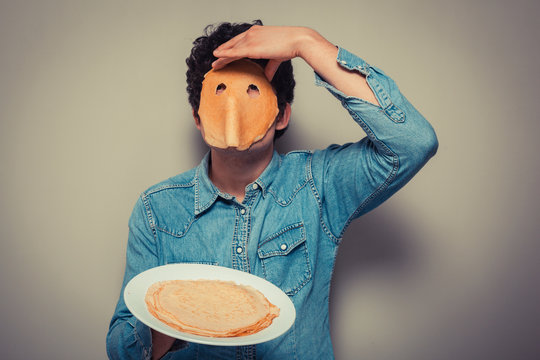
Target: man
<point>280,217</point>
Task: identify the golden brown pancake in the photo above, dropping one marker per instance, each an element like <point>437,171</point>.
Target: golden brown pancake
<point>210,307</point>
<point>230,116</point>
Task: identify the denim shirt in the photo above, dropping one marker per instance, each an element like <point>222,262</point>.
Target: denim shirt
<point>288,227</point>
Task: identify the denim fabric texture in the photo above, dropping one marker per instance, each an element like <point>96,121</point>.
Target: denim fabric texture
<point>288,227</point>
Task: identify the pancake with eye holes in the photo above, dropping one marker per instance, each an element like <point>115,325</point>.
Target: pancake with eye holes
<point>212,308</point>
<point>237,105</point>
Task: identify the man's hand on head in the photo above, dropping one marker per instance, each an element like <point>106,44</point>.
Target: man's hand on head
<point>275,43</point>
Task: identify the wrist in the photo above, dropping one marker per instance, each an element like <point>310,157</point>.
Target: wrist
<point>310,43</point>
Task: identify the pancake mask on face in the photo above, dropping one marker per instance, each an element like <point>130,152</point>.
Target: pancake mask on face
<point>238,105</point>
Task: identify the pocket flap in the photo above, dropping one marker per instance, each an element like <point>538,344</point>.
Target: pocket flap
<point>282,242</point>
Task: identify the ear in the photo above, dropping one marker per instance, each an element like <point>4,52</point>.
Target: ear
<point>283,121</point>
<point>196,118</point>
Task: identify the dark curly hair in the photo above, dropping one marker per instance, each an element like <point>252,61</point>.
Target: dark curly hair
<point>200,62</point>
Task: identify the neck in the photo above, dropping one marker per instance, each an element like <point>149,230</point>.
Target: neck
<point>232,171</point>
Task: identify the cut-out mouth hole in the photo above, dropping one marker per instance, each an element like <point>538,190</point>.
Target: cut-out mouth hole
<point>220,88</point>
<point>253,91</point>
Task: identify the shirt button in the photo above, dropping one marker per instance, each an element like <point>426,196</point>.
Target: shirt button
<point>283,246</point>
<point>239,249</point>
<point>242,211</point>
<point>254,186</point>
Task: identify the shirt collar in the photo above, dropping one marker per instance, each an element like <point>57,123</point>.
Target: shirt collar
<point>206,192</point>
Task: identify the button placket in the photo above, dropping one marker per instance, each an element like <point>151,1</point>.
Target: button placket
<point>241,236</point>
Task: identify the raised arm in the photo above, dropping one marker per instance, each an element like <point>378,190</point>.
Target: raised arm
<point>280,43</point>
<point>350,179</point>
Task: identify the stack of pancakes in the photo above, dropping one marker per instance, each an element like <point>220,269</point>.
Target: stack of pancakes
<point>210,307</point>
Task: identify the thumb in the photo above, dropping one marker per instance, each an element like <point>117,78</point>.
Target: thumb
<point>271,68</point>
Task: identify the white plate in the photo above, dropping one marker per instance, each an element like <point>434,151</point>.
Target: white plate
<point>135,292</point>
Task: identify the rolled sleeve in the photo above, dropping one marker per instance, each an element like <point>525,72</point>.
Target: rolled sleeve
<point>129,339</point>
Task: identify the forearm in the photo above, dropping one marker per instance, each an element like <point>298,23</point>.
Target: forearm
<point>321,55</point>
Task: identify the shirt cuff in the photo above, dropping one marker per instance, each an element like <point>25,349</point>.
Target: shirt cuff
<point>143,337</point>
<point>380,84</point>
<point>348,61</point>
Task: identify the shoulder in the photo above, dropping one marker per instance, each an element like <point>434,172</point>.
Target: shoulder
<point>304,165</point>
<point>175,192</point>
<point>170,199</point>
<point>185,180</point>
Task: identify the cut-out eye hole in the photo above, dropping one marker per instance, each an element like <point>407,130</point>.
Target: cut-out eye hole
<point>253,91</point>
<point>220,88</point>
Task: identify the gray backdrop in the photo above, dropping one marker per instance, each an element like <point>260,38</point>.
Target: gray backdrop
<point>93,110</point>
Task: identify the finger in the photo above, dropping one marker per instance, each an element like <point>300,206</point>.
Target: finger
<point>236,52</point>
<point>239,50</point>
<point>229,44</point>
<point>238,38</point>
<point>222,62</point>
<point>271,68</point>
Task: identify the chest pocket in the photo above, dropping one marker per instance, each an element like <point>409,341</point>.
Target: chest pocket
<point>285,260</point>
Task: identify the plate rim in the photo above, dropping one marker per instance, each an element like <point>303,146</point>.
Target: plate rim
<point>217,272</point>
